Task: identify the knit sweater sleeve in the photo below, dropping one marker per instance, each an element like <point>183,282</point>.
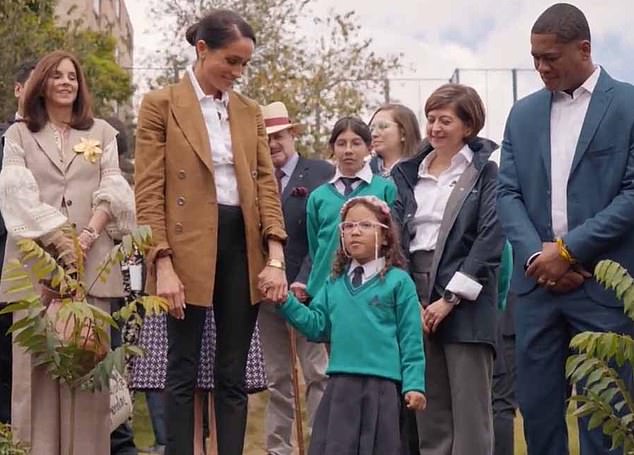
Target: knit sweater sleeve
<point>410,336</point>
<point>313,320</point>
<point>312,223</point>
<point>390,193</point>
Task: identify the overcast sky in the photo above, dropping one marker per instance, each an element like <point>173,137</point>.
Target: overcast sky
<point>437,37</point>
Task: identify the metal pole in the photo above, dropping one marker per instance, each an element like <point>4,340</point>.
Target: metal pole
<point>386,89</point>
<point>514,77</point>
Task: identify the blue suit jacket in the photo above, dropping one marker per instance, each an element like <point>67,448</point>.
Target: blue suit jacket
<point>600,187</point>
<point>308,174</point>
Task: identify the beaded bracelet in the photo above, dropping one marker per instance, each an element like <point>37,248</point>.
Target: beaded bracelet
<point>564,252</point>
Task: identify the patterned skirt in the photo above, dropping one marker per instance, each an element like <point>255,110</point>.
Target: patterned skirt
<point>150,370</point>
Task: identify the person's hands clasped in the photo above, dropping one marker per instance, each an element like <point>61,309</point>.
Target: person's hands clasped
<point>86,240</point>
<point>65,248</point>
<point>549,266</point>
<point>434,314</point>
<point>415,401</point>
<point>299,291</point>
<point>273,285</point>
<point>170,287</point>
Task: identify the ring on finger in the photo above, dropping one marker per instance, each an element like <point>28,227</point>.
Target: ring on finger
<point>551,283</point>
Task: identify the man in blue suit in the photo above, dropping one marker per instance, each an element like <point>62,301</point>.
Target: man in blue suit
<point>566,201</point>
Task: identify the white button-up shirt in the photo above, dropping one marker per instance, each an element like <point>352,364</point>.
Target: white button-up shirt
<point>432,194</point>
<point>567,115</point>
<point>289,168</point>
<point>365,174</point>
<point>217,121</point>
<point>370,269</point>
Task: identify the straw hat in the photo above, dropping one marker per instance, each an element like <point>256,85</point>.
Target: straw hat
<point>276,118</point>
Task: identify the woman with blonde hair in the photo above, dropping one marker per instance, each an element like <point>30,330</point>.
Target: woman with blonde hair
<point>395,136</point>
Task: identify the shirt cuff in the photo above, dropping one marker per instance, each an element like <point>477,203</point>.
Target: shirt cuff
<point>531,259</point>
<point>464,286</point>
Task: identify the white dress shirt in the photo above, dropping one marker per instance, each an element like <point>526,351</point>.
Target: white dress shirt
<point>432,194</point>
<point>217,121</point>
<point>567,115</point>
<point>370,269</point>
<point>288,169</point>
<point>365,175</point>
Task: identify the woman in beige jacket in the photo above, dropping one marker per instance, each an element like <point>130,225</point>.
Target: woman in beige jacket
<point>60,167</point>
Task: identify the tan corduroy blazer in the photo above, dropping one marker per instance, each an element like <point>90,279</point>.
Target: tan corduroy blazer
<point>176,192</point>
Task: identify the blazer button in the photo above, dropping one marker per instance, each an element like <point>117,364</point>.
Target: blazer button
<point>69,202</point>
<point>180,200</point>
<point>178,227</point>
<point>182,174</point>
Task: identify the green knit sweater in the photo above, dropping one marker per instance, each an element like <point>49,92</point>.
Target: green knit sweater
<point>374,330</point>
<point>322,223</point>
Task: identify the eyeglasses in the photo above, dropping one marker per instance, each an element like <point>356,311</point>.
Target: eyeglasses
<point>383,125</point>
<point>348,226</point>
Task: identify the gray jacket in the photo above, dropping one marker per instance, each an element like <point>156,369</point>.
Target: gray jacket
<point>470,241</point>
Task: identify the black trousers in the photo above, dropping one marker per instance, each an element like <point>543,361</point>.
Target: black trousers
<point>235,320</point>
<point>5,367</point>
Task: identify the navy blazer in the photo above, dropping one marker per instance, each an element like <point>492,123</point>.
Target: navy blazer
<point>471,244</point>
<point>308,175</point>
<point>600,186</point>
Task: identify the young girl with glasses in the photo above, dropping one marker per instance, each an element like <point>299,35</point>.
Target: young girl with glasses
<point>369,312</point>
<point>350,143</point>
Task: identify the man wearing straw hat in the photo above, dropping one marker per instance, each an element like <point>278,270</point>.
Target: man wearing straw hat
<point>296,177</point>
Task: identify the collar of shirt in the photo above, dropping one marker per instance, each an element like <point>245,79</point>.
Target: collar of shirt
<point>369,268</point>
<point>587,87</point>
<point>464,155</point>
<point>290,165</point>
<point>385,171</point>
<point>364,174</point>
<point>224,99</point>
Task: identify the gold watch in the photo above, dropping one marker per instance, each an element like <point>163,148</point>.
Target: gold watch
<point>276,263</point>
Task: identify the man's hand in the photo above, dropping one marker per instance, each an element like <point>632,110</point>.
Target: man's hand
<point>571,280</point>
<point>567,283</point>
<point>549,266</point>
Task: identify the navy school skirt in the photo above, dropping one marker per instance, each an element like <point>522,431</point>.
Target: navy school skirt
<point>358,415</point>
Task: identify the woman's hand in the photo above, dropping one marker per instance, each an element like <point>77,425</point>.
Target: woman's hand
<point>64,247</point>
<point>86,240</point>
<point>415,401</point>
<point>434,314</point>
<point>170,287</point>
<point>272,283</point>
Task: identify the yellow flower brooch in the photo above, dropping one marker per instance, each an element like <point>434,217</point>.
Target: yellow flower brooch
<point>89,148</point>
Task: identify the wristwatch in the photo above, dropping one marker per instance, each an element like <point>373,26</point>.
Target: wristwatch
<point>451,298</point>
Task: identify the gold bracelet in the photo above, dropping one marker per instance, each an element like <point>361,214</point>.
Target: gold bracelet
<point>564,252</point>
<point>276,263</point>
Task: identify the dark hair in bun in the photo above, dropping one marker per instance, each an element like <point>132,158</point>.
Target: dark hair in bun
<point>218,29</point>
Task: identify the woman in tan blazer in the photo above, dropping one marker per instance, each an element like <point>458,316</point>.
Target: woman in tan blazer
<point>51,177</point>
<point>205,185</point>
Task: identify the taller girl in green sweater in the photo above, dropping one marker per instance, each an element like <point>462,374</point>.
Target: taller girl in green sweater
<point>369,312</point>
<point>350,143</point>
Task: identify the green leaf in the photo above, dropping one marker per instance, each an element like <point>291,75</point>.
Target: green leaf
<point>596,420</point>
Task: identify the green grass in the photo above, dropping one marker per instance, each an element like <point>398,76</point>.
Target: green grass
<point>255,427</point>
